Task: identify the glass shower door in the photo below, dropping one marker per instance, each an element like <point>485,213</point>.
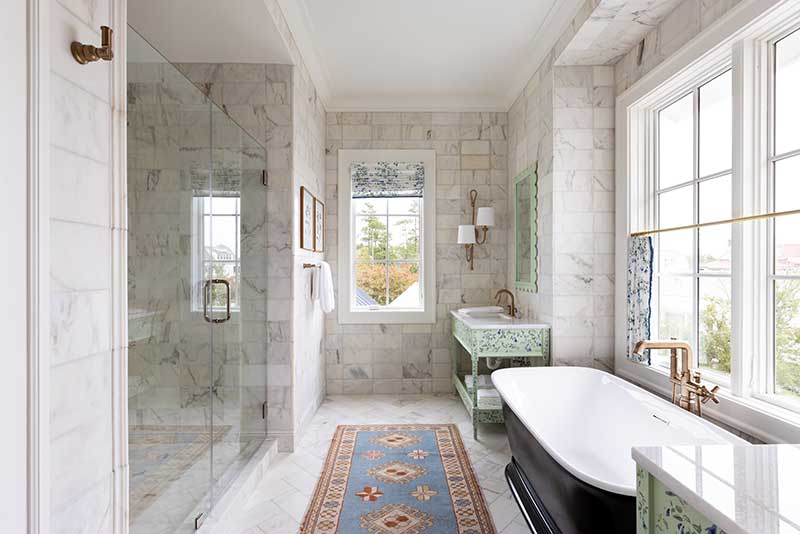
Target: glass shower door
<point>170,340</point>
<point>237,261</point>
<point>197,289</point>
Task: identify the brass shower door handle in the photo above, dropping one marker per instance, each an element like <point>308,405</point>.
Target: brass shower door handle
<point>207,290</point>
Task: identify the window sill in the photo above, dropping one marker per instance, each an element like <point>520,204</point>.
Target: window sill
<point>763,420</point>
<point>387,317</point>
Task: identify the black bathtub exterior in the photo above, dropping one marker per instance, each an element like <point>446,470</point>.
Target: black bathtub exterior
<point>563,503</point>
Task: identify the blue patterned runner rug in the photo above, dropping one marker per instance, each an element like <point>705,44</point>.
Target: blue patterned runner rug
<point>397,479</point>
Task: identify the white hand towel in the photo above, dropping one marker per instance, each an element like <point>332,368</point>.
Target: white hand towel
<point>326,296</point>
<point>314,280</point>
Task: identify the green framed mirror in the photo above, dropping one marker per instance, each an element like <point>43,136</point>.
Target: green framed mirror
<point>525,217</point>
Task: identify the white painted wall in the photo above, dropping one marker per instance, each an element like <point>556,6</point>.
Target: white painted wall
<point>13,268</point>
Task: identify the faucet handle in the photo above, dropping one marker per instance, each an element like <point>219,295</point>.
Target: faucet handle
<point>709,395</point>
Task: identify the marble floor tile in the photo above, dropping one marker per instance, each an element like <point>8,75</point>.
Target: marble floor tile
<point>278,504</point>
<point>172,475</point>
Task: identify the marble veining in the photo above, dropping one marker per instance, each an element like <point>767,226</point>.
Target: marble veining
<point>611,29</point>
<point>471,153</point>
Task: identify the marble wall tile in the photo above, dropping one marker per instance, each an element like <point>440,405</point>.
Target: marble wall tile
<point>472,151</point>
<point>564,120</point>
<point>603,31</point>
<point>687,19</point>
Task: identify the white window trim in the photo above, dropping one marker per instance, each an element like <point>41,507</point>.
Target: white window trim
<point>740,35</point>
<point>348,315</point>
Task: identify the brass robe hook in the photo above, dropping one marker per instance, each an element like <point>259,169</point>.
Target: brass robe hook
<point>84,53</point>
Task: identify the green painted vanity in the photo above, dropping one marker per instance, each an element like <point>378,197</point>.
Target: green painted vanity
<point>659,510</point>
<point>717,489</point>
<point>493,335</point>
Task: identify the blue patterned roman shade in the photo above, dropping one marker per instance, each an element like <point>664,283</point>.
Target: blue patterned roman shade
<point>640,289</point>
<point>387,179</point>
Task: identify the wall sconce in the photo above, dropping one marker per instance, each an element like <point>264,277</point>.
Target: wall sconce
<point>473,234</point>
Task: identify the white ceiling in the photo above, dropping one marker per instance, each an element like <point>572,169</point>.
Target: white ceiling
<point>209,31</point>
<point>424,54</point>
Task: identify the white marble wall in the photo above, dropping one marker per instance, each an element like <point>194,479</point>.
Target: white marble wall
<point>81,109</point>
<point>564,120</point>
<point>688,19</point>
<point>530,140</point>
<point>308,170</point>
<point>604,30</point>
<point>583,216</point>
<point>260,99</point>
<point>471,153</point>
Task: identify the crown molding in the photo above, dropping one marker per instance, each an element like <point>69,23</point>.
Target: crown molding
<point>396,103</point>
<point>544,40</point>
<point>295,12</point>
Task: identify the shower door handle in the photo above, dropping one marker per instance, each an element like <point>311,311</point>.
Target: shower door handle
<point>207,290</point>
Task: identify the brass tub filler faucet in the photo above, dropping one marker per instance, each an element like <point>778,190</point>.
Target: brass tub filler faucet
<point>512,308</point>
<point>691,394</point>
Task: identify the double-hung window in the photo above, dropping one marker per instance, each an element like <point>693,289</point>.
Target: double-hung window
<point>782,368</point>
<point>713,135</point>
<point>387,236</point>
<point>693,266</point>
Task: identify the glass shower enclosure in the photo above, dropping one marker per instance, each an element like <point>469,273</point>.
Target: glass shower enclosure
<point>197,328</point>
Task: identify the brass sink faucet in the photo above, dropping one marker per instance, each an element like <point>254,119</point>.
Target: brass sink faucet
<point>512,309</point>
<point>692,394</point>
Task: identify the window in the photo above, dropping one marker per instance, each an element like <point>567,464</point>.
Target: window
<point>216,249</point>
<point>783,369</point>
<point>711,134</point>
<point>386,236</point>
<point>693,267</point>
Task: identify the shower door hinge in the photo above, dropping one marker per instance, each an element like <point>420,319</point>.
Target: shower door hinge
<point>264,178</point>
<point>263,410</point>
<point>198,521</point>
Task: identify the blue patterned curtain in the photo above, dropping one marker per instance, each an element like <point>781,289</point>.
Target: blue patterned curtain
<point>640,286</point>
<point>387,179</point>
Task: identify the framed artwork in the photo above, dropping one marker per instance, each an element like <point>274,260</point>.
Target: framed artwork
<point>306,219</point>
<point>319,226</point>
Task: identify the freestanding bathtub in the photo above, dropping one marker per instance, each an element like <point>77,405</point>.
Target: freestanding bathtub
<point>571,430</point>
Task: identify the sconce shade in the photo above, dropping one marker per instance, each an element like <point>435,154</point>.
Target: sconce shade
<point>466,234</point>
<point>485,217</point>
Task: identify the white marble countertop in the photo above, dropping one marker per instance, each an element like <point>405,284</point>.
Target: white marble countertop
<point>500,322</point>
<point>744,489</point>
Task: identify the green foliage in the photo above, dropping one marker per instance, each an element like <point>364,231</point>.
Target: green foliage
<point>715,333</point>
<point>715,327</point>
<point>787,336</point>
<point>373,244</point>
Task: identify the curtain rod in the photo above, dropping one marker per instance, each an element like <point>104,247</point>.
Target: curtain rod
<point>716,223</point>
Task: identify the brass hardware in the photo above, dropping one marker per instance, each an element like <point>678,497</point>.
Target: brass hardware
<point>207,290</point>
<point>470,249</point>
<point>84,53</point>
<point>716,223</point>
<point>685,381</point>
<point>512,309</point>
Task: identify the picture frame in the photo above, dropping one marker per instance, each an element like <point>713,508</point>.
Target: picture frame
<point>306,219</point>
<point>319,225</point>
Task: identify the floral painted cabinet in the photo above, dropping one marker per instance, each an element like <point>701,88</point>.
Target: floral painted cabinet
<point>660,511</point>
<point>532,344</point>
